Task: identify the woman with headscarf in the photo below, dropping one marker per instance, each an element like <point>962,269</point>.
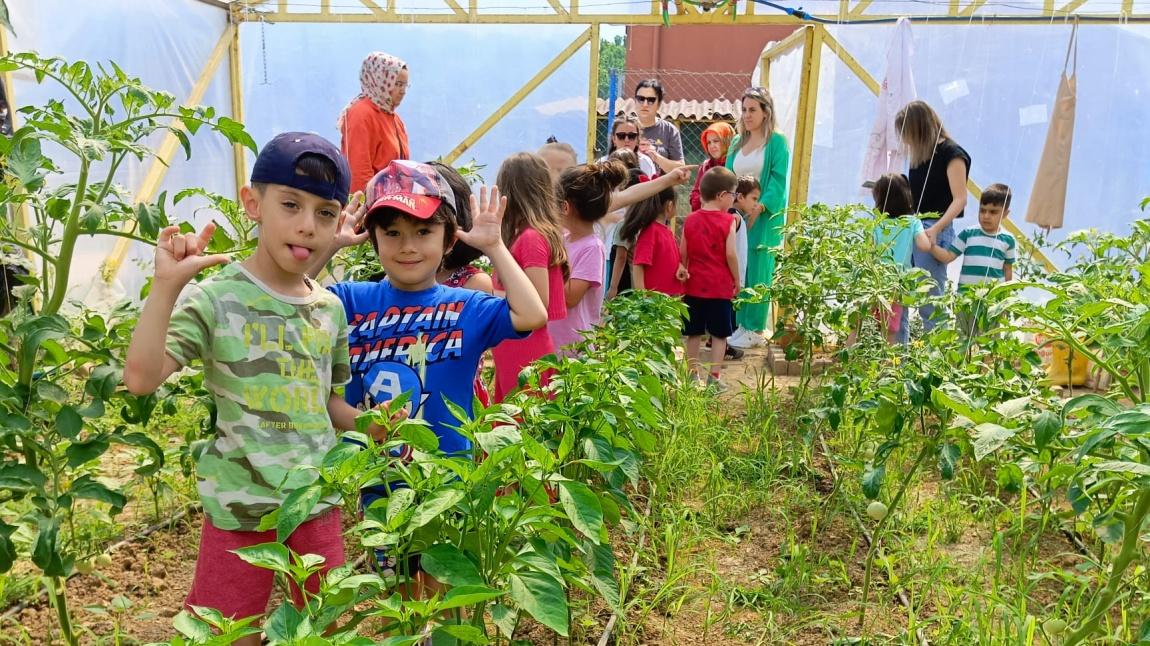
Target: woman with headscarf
<point>716,139</point>
<point>372,134</point>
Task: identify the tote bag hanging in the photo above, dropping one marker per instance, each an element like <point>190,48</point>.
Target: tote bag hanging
<point>1048,197</point>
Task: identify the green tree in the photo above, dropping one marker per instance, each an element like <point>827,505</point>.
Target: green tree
<point>612,56</point>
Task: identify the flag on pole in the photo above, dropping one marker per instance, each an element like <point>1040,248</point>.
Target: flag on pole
<point>884,150</point>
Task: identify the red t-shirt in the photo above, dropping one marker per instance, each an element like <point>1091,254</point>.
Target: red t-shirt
<point>530,249</point>
<point>706,235</point>
<point>657,253</point>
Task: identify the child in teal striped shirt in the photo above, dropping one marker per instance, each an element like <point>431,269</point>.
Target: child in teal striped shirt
<point>988,253</point>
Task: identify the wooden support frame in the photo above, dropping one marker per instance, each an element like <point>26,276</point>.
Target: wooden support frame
<point>235,80</point>
<point>593,92</point>
<point>802,147</point>
<point>167,148</point>
<point>520,94</point>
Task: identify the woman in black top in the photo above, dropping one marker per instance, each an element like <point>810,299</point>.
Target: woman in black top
<point>939,168</point>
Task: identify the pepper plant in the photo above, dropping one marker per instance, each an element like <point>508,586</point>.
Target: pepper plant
<point>61,373</point>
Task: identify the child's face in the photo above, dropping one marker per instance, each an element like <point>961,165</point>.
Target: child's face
<point>749,203</point>
<point>557,162</point>
<point>294,224</point>
<point>411,252</point>
<point>627,136</point>
<point>714,146</point>
<point>990,217</point>
<point>725,200</point>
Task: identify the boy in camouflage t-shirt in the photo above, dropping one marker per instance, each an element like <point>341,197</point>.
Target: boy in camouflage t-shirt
<point>272,344</point>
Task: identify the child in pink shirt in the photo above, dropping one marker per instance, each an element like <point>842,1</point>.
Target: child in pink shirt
<point>585,192</point>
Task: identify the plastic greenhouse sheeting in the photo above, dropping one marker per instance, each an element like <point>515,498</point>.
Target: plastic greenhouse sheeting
<point>994,86</point>
<point>299,76</point>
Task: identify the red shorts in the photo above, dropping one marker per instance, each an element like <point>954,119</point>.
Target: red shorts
<point>889,320</point>
<point>229,584</point>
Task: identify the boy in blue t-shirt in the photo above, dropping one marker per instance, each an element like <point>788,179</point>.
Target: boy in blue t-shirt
<point>410,334</point>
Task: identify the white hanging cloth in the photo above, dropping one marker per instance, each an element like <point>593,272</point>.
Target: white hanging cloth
<point>884,152</point>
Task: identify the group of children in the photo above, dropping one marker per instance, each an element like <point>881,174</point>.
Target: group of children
<point>275,345</point>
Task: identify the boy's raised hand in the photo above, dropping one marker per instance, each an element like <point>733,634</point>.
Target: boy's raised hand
<point>180,256</point>
<point>486,220</point>
<point>351,231</point>
<point>682,174</point>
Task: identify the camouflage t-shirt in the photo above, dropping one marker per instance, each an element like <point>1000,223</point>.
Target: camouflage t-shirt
<point>270,362</point>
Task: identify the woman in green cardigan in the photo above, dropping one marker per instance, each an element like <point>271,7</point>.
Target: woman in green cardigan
<point>760,151</point>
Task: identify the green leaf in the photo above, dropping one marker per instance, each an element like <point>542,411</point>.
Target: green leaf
<point>1121,466</point>
<point>68,422</point>
<point>46,550</point>
<point>498,438</point>
<point>433,507</point>
<point>1130,423</point>
<point>398,501</point>
<point>7,547</point>
<point>1109,528</point>
<point>989,437</point>
<point>89,489</point>
<point>468,595</point>
<point>504,618</point>
<point>601,562</point>
<point>84,452</point>
<point>142,441</point>
<point>287,625</point>
<point>953,398</point>
<point>1092,402</point>
<point>948,455</point>
<point>270,556</point>
<point>296,509</point>
<point>461,632</point>
<point>5,20</point>
<point>1047,426</point>
<point>51,391</point>
<point>192,627</point>
<point>419,436</point>
<point>583,508</point>
<point>872,480</point>
<point>21,477</point>
<point>543,598</point>
<point>450,566</point>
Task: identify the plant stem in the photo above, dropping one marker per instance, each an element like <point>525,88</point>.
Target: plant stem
<point>903,486</point>
<point>57,589</point>
<point>68,244</point>
<point>1130,550</point>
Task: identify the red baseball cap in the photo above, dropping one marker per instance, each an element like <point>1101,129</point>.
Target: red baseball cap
<point>414,188</point>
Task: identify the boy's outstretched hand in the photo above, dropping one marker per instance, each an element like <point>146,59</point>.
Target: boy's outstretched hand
<point>486,220</point>
<point>351,231</point>
<point>682,174</point>
<point>180,256</point>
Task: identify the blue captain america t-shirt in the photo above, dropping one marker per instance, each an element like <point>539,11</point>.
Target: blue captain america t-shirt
<point>387,329</point>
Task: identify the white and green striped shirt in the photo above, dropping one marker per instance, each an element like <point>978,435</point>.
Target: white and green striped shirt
<point>984,256</point>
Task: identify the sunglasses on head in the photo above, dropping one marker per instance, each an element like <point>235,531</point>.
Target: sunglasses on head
<point>627,135</point>
<point>646,99</point>
<point>757,92</point>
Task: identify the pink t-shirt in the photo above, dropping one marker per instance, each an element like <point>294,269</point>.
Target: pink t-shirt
<point>588,262</point>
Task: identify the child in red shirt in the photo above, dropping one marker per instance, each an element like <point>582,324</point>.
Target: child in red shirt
<point>709,253</point>
<point>654,254</point>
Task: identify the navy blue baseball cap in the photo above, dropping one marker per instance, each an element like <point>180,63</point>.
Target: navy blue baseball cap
<point>277,162</point>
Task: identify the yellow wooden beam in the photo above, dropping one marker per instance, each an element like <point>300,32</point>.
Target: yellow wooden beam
<point>802,146</point>
<point>970,9</point>
<point>793,40</point>
<point>236,93</point>
<point>167,148</point>
<point>519,95</point>
<point>560,10</point>
<point>765,71</point>
<point>22,213</point>
<point>593,93</point>
<point>459,11</point>
<point>1071,7</point>
<point>859,10</point>
<point>835,46</point>
<point>375,8</point>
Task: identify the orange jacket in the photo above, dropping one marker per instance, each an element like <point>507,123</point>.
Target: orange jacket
<point>370,140</point>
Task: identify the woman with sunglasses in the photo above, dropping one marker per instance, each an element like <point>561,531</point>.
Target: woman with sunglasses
<point>625,136</point>
<point>659,138</point>
<point>759,150</point>
<point>371,134</point>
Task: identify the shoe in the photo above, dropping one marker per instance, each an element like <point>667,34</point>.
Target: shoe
<point>739,340</point>
<point>733,353</point>
<point>715,385</point>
